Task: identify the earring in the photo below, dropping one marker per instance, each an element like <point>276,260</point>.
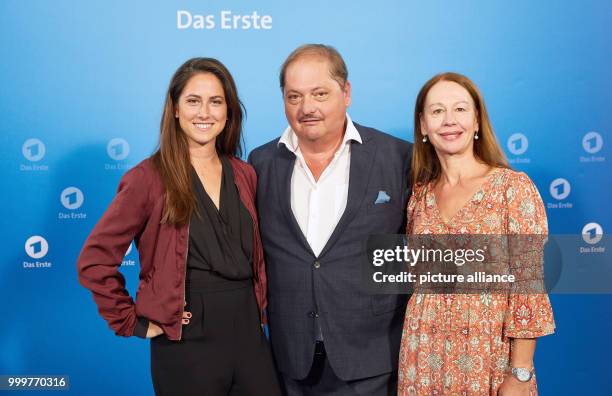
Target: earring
<point>476,136</point>
<point>425,139</point>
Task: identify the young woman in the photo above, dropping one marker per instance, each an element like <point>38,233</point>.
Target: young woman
<point>469,344</point>
<point>191,210</point>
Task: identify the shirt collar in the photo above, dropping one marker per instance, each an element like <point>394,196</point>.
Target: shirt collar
<point>290,139</point>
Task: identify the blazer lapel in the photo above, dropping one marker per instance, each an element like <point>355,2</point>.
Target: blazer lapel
<point>359,176</point>
<point>285,162</point>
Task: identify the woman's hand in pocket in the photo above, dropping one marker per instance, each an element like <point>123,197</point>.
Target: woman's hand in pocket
<point>154,330</point>
<point>186,316</point>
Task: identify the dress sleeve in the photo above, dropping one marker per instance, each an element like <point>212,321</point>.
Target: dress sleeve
<point>99,261</point>
<point>529,313</point>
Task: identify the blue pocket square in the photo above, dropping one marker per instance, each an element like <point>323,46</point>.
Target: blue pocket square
<point>383,197</point>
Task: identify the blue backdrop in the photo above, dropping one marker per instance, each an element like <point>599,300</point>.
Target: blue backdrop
<point>81,98</point>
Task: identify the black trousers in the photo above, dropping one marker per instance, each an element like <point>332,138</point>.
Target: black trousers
<point>223,350</point>
<point>322,381</point>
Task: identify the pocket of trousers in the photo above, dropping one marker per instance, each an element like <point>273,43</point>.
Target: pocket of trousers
<point>195,327</point>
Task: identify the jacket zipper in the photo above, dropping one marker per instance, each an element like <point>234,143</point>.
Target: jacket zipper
<point>184,279</point>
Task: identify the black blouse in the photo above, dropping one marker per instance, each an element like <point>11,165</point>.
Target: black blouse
<point>221,240</point>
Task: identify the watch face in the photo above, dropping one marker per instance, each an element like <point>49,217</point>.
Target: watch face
<point>522,374</point>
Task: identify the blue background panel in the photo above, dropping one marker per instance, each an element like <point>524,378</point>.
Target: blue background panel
<point>77,74</point>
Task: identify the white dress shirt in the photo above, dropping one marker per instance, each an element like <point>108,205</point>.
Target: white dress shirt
<point>318,204</point>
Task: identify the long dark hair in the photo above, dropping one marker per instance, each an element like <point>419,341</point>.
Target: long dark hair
<point>172,156</point>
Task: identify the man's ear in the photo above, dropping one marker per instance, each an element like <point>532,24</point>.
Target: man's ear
<point>347,93</point>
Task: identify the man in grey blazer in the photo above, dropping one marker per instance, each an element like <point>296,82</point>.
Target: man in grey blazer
<point>323,187</point>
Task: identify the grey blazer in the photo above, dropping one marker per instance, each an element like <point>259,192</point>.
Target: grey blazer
<point>361,330</point>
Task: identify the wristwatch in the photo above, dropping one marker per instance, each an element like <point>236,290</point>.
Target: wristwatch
<point>522,374</point>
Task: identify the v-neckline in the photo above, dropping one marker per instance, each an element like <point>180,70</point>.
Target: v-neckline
<point>203,189</point>
<point>449,221</point>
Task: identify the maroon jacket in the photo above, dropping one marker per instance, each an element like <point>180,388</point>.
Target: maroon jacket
<point>135,213</point>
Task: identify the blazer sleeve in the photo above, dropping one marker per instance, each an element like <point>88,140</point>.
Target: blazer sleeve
<point>99,261</point>
<point>406,183</point>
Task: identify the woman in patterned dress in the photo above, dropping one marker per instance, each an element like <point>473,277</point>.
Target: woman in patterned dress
<point>469,344</point>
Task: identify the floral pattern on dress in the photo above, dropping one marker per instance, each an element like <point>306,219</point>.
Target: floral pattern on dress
<point>459,344</point>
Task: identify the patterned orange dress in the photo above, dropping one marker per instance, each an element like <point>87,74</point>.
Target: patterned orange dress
<point>459,344</point>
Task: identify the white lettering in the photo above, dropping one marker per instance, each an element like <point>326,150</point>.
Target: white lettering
<point>37,264</point>
<point>25,168</point>
<point>63,216</point>
<point>266,22</point>
<point>245,22</point>
<point>226,19</point>
<point>199,22</point>
<point>179,19</point>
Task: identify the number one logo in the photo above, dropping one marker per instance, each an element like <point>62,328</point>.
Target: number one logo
<point>72,198</point>
<point>560,189</point>
<point>33,150</point>
<point>592,142</point>
<point>36,247</point>
<point>118,149</point>
<point>592,233</point>
<point>517,143</point>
